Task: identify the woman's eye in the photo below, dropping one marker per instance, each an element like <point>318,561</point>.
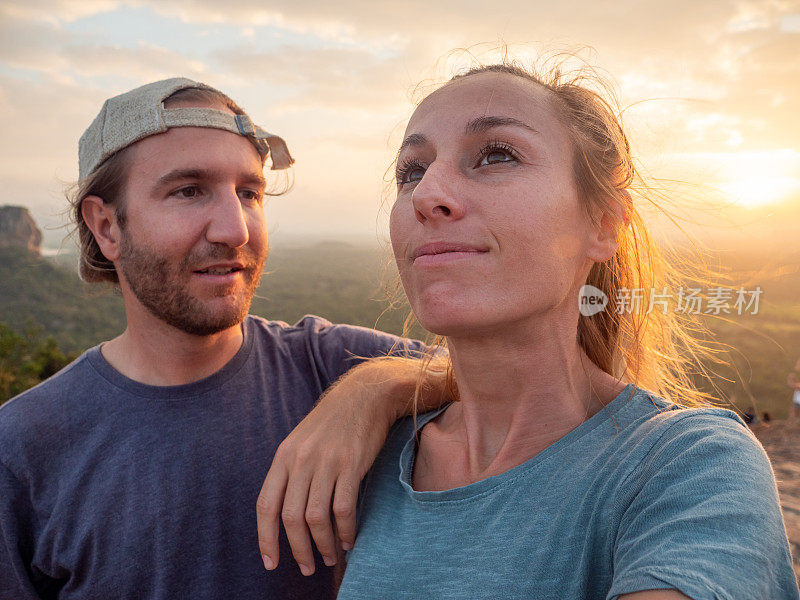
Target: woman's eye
<point>415,174</point>
<point>411,173</point>
<point>498,155</point>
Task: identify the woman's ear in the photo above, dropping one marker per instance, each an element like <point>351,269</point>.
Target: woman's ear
<point>604,242</point>
<point>101,219</point>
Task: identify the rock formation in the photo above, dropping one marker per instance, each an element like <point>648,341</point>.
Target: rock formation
<point>19,230</point>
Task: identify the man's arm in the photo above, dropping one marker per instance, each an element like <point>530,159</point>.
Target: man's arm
<point>15,528</point>
<point>318,468</point>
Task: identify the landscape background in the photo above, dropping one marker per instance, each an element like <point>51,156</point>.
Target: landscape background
<point>708,92</point>
<point>48,316</point>
<point>355,282</point>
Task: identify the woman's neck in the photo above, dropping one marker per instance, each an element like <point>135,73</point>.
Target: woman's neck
<point>519,394</point>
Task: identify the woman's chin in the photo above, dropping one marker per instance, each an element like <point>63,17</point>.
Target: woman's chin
<point>452,324</point>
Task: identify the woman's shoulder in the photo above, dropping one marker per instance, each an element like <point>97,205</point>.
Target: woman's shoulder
<point>687,441</point>
<point>660,440</point>
<point>650,414</point>
<point>402,437</point>
<point>703,481</point>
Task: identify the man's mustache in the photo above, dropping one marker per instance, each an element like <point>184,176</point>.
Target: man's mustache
<point>249,260</point>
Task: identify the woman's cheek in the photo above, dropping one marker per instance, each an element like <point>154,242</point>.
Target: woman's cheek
<point>398,231</point>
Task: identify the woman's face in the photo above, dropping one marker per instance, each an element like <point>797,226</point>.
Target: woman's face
<point>487,228</point>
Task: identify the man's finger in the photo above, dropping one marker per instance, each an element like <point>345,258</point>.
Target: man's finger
<point>344,508</point>
<point>268,514</point>
<point>318,515</point>
<point>294,520</point>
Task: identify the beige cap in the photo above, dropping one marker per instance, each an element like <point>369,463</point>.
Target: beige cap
<point>140,113</point>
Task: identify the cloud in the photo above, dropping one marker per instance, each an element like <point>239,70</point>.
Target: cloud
<point>146,62</point>
<point>53,11</point>
<point>50,49</point>
<point>326,79</point>
<point>336,78</point>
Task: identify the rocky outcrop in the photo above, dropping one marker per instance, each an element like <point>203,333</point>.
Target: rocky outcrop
<point>19,230</point>
<point>779,439</point>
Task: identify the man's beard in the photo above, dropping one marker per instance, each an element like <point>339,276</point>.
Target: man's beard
<point>161,286</point>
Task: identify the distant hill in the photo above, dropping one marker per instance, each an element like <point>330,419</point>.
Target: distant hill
<point>342,282</point>
<point>37,290</point>
<point>346,283</point>
<point>336,280</point>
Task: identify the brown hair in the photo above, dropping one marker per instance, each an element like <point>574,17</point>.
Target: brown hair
<point>659,351</point>
<point>108,181</point>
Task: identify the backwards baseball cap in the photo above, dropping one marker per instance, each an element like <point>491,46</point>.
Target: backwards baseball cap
<point>140,113</point>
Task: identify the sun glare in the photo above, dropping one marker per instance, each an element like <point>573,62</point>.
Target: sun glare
<point>758,191</point>
<point>756,179</point>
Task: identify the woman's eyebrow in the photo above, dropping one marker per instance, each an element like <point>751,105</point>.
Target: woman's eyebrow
<point>482,124</point>
<point>478,125</point>
<point>415,139</point>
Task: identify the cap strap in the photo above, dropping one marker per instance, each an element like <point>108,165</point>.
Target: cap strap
<point>266,143</point>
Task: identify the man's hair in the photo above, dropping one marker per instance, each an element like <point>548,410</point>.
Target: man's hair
<point>108,182</point>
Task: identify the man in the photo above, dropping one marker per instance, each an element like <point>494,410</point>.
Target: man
<point>125,475</point>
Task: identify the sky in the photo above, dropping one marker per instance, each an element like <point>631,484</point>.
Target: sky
<point>710,92</point>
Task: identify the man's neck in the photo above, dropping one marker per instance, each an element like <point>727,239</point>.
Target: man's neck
<point>159,354</point>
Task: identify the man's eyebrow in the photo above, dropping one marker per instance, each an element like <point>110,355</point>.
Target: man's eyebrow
<point>255,179</point>
<point>482,124</point>
<point>179,175</point>
<point>415,140</point>
<point>203,174</point>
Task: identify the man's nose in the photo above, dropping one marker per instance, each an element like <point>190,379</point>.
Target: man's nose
<point>227,222</point>
<point>435,197</point>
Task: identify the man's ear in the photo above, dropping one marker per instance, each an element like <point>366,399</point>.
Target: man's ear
<point>101,219</point>
<point>604,242</point>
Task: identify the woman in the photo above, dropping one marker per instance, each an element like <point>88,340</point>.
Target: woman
<point>555,475</point>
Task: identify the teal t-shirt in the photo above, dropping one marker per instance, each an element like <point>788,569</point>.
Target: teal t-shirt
<point>643,495</point>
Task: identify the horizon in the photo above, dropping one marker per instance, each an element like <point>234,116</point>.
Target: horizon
<point>709,101</point>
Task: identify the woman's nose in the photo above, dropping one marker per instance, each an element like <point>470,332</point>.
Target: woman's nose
<point>435,196</point>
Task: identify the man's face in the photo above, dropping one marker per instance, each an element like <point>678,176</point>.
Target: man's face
<point>195,241</point>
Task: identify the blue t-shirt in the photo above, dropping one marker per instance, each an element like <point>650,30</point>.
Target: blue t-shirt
<point>643,495</point>
<point>113,489</point>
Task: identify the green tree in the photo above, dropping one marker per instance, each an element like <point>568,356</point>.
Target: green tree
<point>27,358</point>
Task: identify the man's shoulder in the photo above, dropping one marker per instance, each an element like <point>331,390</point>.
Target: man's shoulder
<point>316,345</point>
<point>54,389</point>
<point>308,325</point>
<point>319,333</point>
<point>33,414</point>
<point>273,328</point>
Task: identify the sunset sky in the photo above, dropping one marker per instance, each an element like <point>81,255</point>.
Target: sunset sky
<point>712,89</point>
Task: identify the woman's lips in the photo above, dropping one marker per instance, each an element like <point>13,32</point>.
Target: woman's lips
<point>432,260</point>
<point>442,253</point>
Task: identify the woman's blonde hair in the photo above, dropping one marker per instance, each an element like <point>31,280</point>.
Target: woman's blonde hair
<point>661,351</point>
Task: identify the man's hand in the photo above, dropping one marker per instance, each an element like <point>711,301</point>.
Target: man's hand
<point>320,465</point>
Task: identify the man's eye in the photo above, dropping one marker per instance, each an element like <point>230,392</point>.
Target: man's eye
<point>249,195</point>
<point>190,191</point>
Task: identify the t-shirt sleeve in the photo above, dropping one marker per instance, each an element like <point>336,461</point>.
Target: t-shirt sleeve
<point>704,517</point>
<point>16,547</point>
<point>338,348</point>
